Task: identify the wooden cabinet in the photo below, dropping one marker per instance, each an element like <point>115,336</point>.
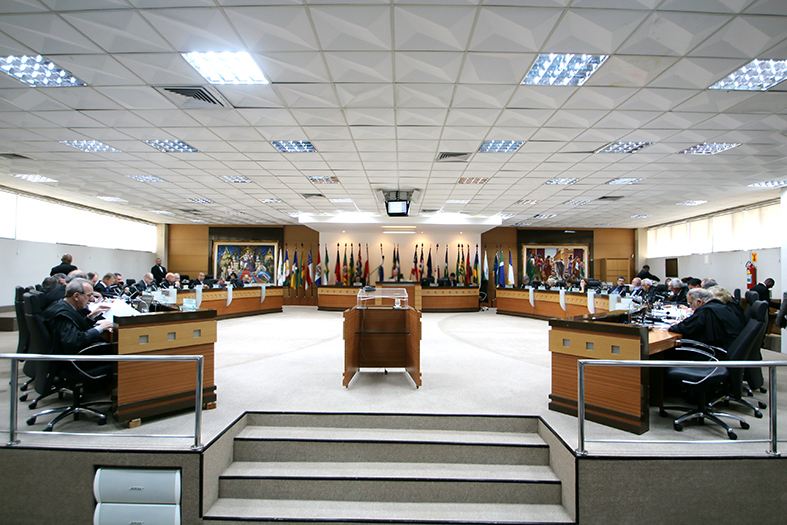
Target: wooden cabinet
<point>610,269</point>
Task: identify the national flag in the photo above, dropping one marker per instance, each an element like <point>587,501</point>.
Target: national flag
<point>366,267</point>
<point>310,270</point>
<point>468,268</point>
<point>280,269</point>
<point>338,271</point>
<point>327,272</point>
<point>421,264</point>
<point>414,270</point>
<point>345,273</point>
<point>460,274</point>
<point>511,278</point>
<point>494,267</point>
<point>475,266</point>
<point>485,277</point>
<point>351,268</point>
<point>393,263</point>
<point>318,269</point>
<point>359,266</point>
<point>381,268</point>
<point>287,275</point>
<point>398,263</point>
<point>429,264</point>
<point>445,273</point>
<point>437,261</point>
<point>458,264</point>
<point>295,275</point>
<point>501,271</point>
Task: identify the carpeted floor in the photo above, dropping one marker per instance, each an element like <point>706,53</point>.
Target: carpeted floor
<point>472,363</point>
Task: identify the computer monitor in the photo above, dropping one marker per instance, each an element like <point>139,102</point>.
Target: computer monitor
<point>397,208</point>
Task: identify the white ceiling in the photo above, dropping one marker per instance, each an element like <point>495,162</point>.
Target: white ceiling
<point>380,88</point>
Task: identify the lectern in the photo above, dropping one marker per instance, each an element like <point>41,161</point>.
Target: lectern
<point>382,331</point>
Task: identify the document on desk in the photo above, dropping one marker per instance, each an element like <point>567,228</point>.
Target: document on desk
<point>229,294</point>
<point>532,296</point>
<point>591,301</point>
<point>117,308</point>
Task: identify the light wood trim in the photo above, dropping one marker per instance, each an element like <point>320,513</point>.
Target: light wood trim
<point>445,290</point>
<point>661,340</point>
<point>630,346</point>
<point>158,336</point>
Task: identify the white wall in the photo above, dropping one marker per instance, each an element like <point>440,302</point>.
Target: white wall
<point>728,268</point>
<point>24,263</point>
<point>406,244</point>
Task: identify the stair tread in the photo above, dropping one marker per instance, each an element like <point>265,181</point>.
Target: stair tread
<point>391,470</point>
<point>387,511</point>
<point>391,435</point>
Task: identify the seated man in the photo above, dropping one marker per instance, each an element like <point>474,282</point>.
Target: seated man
<point>105,284</point>
<point>146,284</point>
<point>169,281</point>
<point>452,279</point>
<point>199,281</point>
<point>70,324</point>
<point>693,282</point>
<point>678,295</point>
<point>712,322</point>
<point>648,292</point>
<point>621,287</point>
<point>636,287</point>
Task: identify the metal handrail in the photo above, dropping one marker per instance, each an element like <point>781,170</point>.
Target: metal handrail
<point>15,358</point>
<point>772,365</point>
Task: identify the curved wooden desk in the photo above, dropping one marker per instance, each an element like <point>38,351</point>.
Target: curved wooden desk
<point>430,299</point>
<point>245,301</point>
<point>547,303</point>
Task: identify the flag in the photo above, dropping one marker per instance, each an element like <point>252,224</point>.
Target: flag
<point>458,272</point>
<point>359,266</point>
<point>280,269</point>
<point>351,268</point>
<point>338,272</point>
<point>318,268</point>
<point>380,270</point>
<point>398,262</point>
<point>421,264</point>
<point>437,261</point>
<point>511,280</point>
<point>327,272</point>
<point>445,273</point>
<point>486,268</point>
<point>414,270</point>
<point>366,267</point>
<point>345,272</point>
<point>468,268</point>
<point>303,269</point>
<point>310,269</point>
<point>475,266</point>
<point>494,267</point>
<point>501,271</point>
<point>286,281</point>
<point>393,263</point>
<point>429,264</point>
<point>295,275</point>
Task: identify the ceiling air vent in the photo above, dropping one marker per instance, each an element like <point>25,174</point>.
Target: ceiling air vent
<point>188,97</point>
<point>191,211</point>
<point>610,198</point>
<point>14,156</point>
<point>445,156</point>
<point>312,195</point>
<point>430,211</point>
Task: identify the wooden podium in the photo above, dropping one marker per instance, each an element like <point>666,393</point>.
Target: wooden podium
<point>382,336</point>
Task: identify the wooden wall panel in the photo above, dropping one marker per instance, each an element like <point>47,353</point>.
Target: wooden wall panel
<point>188,249</point>
<point>616,243</point>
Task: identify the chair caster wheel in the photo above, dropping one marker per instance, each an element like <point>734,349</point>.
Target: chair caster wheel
<point>48,429</point>
<point>33,405</point>
<point>677,426</point>
<point>102,422</point>
<point>732,435</point>
<point>23,398</point>
<point>762,405</point>
<point>663,413</point>
<point>758,414</point>
<point>31,421</point>
<point>763,390</point>
<point>745,425</point>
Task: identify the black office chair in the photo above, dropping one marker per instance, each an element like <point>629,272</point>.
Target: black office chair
<point>753,376</point>
<point>23,344</point>
<point>751,298</point>
<point>737,295</point>
<point>781,316</point>
<point>53,376</point>
<point>130,283</point>
<point>701,383</point>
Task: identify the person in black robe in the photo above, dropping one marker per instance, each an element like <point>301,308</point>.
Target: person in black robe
<point>644,273</point>
<point>678,295</point>
<point>65,266</point>
<point>158,271</point>
<point>712,322</point>
<point>104,286</point>
<point>763,289</point>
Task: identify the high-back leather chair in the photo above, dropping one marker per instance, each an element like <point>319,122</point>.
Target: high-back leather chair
<point>751,297</point>
<point>23,345</point>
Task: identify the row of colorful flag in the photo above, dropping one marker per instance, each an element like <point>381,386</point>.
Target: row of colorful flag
<point>304,273</point>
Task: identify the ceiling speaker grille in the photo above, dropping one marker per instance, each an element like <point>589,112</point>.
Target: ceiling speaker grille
<point>197,93</point>
<point>610,198</point>
<point>312,195</point>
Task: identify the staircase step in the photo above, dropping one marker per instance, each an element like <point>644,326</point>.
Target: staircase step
<point>326,444</point>
<point>391,482</point>
<point>315,512</point>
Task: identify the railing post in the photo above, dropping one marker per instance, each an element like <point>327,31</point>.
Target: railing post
<point>14,382</point>
<point>581,408</point>
<point>198,407</point>
<point>774,451</point>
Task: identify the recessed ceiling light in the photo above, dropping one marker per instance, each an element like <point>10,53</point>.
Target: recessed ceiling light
<point>112,199</point>
<point>691,203</point>
<point>271,200</point>
<point>171,146</point>
<point>340,201</point>
<point>624,147</point>
<point>324,180</point>
<point>506,216</point>
<point>293,213</point>
<point>236,213</point>
<point>500,146</point>
<point>604,224</point>
<point>457,201</point>
<point>544,216</point>
<point>226,67</point>
<point>523,224</point>
<point>562,181</point>
<point>757,75</point>
<point>640,216</point>
<point>91,146</point>
<point>528,201</point>
<point>576,203</point>
<point>200,200</point>
<point>162,212</point>
<point>624,180</point>
<point>146,178</point>
<point>237,179</point>
<point>294,146</point>
<point>197,220</point>
<point>38,71</point>
<point>473,180</point>
<point>30,177</point>
<point>764,184</point>
<point>563,69</point>
<point>708,148</point>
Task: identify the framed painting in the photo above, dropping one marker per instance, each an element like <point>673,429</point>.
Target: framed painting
<point>255,259</point>
<point>558,262</point>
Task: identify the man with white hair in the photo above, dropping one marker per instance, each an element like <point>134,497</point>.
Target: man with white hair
<point>678,295</point>
<point>712,322</point>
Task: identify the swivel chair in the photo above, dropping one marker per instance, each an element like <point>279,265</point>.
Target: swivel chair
<point>701,383</point>
<point>52,376</point>
<point>753,376</point>
<point>23,344</point>
<point>751,298</point>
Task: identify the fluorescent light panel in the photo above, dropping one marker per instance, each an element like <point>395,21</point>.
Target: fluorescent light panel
<point>544,216</point>
<point>236,213</point>
<point>162,212</point>
<point>708,148</point>
<point>271,200</point>
<point>38,72</point>
<point>757,75</point>
<point>624,147</point>
<point>523,224</point>
<point>562,181</point>
<point>764,184</point>
<point>640,216</point>
<point>624,180</point>
<point>200,200</point>
<point>340,201</point>
<point>506,216</point>
<point>457,201</point>
<point>692,203</point>
<point>171,146</point>
<point>30,177</point>
<point>112,199</point>
<point>528,201</point>
<point>576,203</point>
<point>568,69</point>
<point>500,146</point>
<point>226,67</point>
<point>294,146</point>
<point>473,180</point>
<point>324,180</point>
<point>236,179</point>
<point>91,146</point>
<point>146,178</point>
